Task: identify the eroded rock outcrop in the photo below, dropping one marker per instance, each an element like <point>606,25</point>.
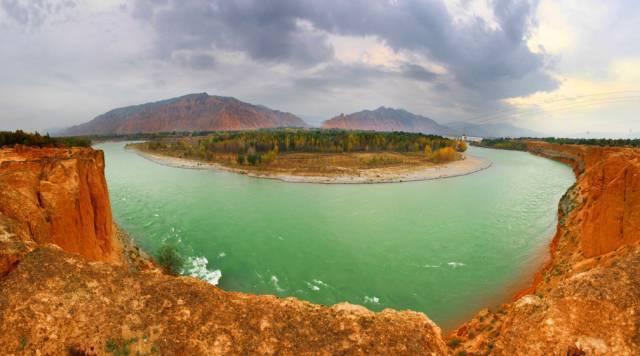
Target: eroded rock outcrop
<point>59,196</point>
<point>586,299</point>
<point>61,292</point>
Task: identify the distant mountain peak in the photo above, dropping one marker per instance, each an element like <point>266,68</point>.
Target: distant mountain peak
<point>387,119</point>
<point>190,112</point>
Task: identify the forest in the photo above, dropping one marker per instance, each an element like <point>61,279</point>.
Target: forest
<point>263,146</point>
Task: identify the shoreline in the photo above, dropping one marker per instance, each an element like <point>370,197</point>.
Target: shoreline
<point>468,165</point>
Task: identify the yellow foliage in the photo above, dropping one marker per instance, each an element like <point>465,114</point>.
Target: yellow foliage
<point>445,154</point>
<point>461,146</point>
<point>428,152</point>
<point>270,156</point>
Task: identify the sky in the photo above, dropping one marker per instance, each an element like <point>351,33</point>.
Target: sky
<point>561,67</point>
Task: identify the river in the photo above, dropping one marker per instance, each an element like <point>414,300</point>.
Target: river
<point>444,247</point>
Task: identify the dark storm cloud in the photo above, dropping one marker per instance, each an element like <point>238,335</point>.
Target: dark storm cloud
<point>197,61</point>
<point>295,32</point>
<point>339,75</point>
<point>477,55</point>
<point>265,30</point>
<point>33,13</point>
<point>416,72</point>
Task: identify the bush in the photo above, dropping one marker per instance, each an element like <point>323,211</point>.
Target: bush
<point>170,259</point>
<point>461,146</point>
<point>445,154</point>
<point>270,156</point>
<point>454,343</point>
<point>253,159</point>
<point>428,152</point>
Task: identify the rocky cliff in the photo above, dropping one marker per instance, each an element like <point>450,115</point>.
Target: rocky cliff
<point>193,112</point>
<point>586,299</point>
<point>66,288</point>
<point>386,119</point>
<point>62,292</point>
<point>56,196</point>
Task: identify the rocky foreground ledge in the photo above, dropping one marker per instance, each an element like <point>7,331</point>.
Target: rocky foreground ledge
<point>70,285</point>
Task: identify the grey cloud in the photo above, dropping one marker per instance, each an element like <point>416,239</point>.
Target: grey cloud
<point>265,30</point>
<point>33,13</point>
<point>340,76</point>
<point>416,72</point>
<point>197,61</point>
<point>476,55</point>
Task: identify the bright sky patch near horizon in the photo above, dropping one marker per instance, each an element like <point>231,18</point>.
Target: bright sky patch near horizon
<point>562,67</point>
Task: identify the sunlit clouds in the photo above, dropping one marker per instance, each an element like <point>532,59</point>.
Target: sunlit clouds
<point>517,61</point>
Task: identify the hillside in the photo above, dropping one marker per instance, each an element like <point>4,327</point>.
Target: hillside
<point>386,119</point>
<point>193,112</point>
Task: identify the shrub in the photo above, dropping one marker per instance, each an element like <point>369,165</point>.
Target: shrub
<point>428,152</point>
<point>461,146</point>
<point>270,156</point>
<point>454,343</point>
<point>170,259</point>
<point>445,154</point>
<point>253,159</point>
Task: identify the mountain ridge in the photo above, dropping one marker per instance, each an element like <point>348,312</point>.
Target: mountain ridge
<point>387,119</point>
<point>191,112</point>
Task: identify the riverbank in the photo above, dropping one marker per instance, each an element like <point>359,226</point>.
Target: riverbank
<point>468,165</point>
<point>585,301</point>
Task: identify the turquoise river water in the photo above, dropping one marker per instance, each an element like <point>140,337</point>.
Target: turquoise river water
<point>445,247</point>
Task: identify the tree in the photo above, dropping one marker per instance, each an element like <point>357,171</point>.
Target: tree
<point>169,259</point>
<point>461,146</point>
<point>428,152</point>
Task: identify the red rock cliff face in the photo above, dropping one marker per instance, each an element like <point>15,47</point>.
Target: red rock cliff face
<point>58,196</point>
<point>608,185</point>
<point>586,299</point>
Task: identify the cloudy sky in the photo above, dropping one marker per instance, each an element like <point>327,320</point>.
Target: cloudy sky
<point>559,66</point>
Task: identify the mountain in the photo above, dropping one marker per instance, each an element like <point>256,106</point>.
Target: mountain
<point>387,119</point>
<point>491,130</point>
<point>193,112</point>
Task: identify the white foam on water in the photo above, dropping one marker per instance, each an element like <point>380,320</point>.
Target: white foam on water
<point>371,300</point>
<point>197,267</point>
<point>275,281</point>
<point>431,266</point>
<point>320,283</point>
<point>312,286</point>
<point>455,264</point>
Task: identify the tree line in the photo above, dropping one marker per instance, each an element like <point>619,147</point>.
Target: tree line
<point>519,143</point>
<point>263,146</point>
<point>19,137</point>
